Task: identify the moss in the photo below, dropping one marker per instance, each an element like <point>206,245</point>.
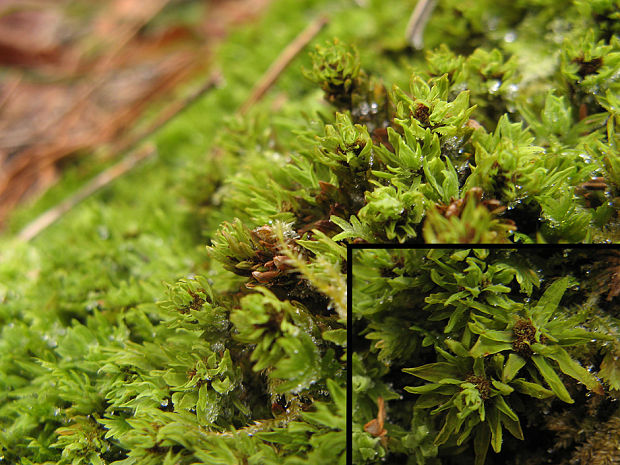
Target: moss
<point>495,133</point>
<point>505,349</point>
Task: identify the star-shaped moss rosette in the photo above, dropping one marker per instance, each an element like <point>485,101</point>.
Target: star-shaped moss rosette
<point>441,154</point>
<point>496,351</point>
<point>336,68</point>
<point>472,401</point>
<point>536,338</point>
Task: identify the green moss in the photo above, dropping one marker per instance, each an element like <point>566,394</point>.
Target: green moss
<point>243,361</point>
<point>499,342</point>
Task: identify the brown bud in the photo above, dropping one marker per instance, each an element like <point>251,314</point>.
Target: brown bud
<point>280,261</point>
<point>265,276</point>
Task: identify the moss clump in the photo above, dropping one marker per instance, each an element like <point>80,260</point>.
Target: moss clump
<point>510,350</point>
<point>243,361</point>
<point>452,147</point>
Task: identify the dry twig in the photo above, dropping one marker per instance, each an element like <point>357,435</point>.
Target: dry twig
<point>284,59</point>
<point>259,90</point>
<point>102,179</point>
<point>214,80</point>
<point>417,22</point>
<point>122,167</point>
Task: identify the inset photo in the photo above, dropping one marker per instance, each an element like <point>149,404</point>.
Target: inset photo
<point>485,356</point>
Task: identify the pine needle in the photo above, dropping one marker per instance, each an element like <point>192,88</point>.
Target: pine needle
<point>284,59</point>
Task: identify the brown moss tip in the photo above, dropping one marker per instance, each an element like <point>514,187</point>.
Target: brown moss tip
<point>587,67</point>
<point>423,114</point>
<point>482,384</point>
<point>525,335</point>
<point>195,304</point>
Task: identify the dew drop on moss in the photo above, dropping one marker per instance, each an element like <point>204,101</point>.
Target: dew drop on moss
<point>50,341</point>
<point>495,85</point>
<point>510,36</point>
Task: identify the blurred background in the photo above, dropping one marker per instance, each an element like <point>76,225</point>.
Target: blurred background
<point>76,74</point>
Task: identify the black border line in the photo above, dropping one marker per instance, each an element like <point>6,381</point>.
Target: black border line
<point>349,411</point>
<point>517,245</point>
<point>352,247</point>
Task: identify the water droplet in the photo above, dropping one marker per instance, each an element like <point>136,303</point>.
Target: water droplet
<point>50,342</point>
<point>510,36</point>
<point>512,90</point>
